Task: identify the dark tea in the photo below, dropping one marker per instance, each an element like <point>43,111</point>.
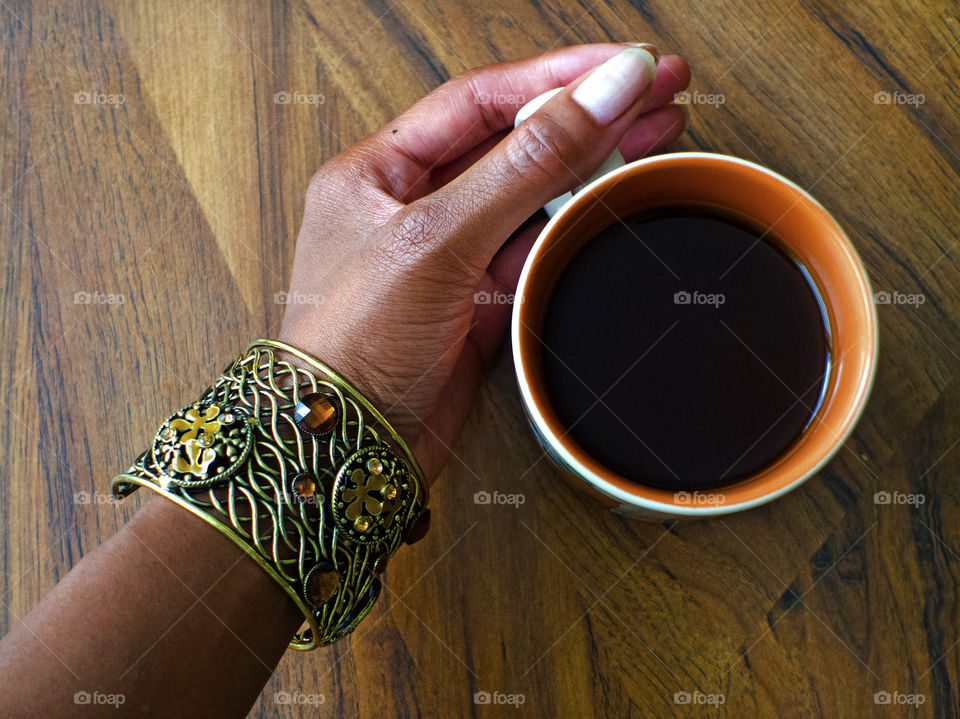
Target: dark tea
<point>684,349</point>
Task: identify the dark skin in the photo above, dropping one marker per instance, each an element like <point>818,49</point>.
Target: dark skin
<point>147,609</point>
<point>400,231</point>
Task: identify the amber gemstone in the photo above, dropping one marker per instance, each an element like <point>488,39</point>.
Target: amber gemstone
<point>321,584</point>
<point>205,439</point>
<point>390,491</point>
<point>315,414</point>
<point>420,527</point>
<point>303,485</point>
<point>374,465</point>
<point>362,524</point>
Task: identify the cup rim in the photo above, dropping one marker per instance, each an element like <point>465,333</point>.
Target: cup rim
<point>594,480</point>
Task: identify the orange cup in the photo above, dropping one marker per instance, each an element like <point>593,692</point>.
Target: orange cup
<point>734,187</point>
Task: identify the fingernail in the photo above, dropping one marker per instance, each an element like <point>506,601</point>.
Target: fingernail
<point>616,84</point>
<point>652,49</point>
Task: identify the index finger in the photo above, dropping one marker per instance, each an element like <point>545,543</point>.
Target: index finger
<point>479,103</point>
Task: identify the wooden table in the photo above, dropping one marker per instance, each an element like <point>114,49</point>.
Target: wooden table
<point>144,242</point>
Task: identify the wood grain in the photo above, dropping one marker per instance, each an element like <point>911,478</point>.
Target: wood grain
<point>185,200</point>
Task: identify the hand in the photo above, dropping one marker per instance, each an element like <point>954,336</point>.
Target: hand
<point>402,230</point>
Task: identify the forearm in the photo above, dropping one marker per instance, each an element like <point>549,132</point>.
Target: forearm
<point>169,614</point>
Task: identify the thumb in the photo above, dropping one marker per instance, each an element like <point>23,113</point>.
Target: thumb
<point>550,152</point>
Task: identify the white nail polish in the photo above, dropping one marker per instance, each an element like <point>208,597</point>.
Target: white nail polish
<point>616,84</point>
<point>652,49</point>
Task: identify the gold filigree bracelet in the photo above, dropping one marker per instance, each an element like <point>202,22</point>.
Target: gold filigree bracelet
<point>299,470</point>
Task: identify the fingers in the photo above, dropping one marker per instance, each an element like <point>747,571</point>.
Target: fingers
<point>652,131</point>
<point>470,108</point>
<point>673,76</point>
<point>547,154</point>
<point>444,173</point>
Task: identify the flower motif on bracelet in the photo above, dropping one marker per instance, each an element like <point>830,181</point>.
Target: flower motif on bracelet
<point>361,496</point>
<point>202,444</point>
<point>373,487</point>
<point>194,423</point>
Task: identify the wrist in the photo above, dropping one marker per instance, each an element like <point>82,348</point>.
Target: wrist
<point>344,353</point>
<point>210,566</point>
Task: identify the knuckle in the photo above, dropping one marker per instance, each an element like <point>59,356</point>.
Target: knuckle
<point>492,115</point>
<point>539,147</point>
<point>470,78</point>
<point>472,71</point>
<point>467,77</point>
<point>318,189</point>
<point>415,230</point>
<point>340,174</point>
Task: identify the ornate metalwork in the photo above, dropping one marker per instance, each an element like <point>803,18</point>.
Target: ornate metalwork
<point>371,490</point>
<point>319,513</point>
<point>202,444</point>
